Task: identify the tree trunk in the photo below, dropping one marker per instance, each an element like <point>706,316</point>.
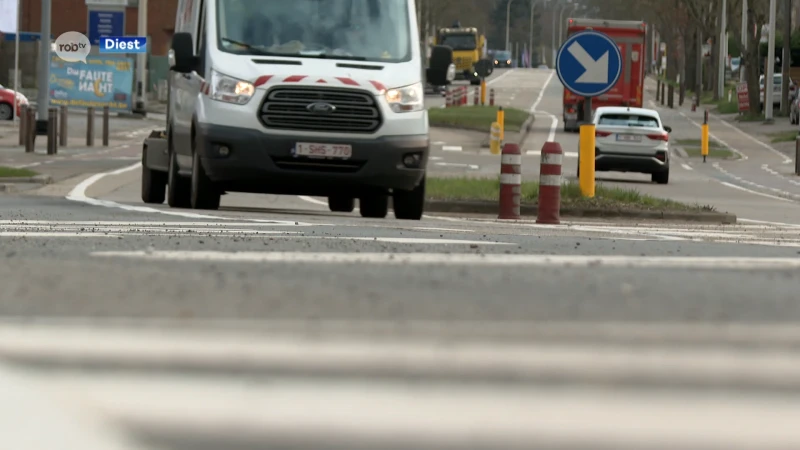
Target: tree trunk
<point>752,65</point>
<point>786,60</point>
<point>699,62</point>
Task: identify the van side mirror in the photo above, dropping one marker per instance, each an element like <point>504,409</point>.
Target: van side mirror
<point>667,129</point>
<point>441,59</point>
<point>181,53</point>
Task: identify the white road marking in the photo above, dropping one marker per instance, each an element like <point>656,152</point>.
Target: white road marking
<point>778,192</point>
<point>495,80</point>
<point>438,143</point>
<point>451,148</point>
<point>533,109</point>
<point>774,172</point>
<point>459,165</point>
<point>460,259</point>
<point>454,230</point>
<point>786,159</point>
<point>761,194</point>
<point>308,199</point>
<point>539,152</point>
<point>686,166</point>
<point>435,158</point>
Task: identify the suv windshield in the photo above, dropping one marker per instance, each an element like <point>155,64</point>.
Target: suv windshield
<point>502,55</point>
<point>460,41</point>
<point>368,30</point>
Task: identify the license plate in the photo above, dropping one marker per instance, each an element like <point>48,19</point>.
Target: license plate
<point>629,138</point>
<point>337,151</point>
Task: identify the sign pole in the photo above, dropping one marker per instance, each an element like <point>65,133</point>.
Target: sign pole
<point>141,62</point>
<point>16,61</point>
<point>43,95</point>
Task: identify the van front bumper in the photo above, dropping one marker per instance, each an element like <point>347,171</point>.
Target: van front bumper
<point>259,162</point>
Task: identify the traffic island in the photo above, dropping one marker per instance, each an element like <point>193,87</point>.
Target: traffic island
<point>693,149</point>
<point>479,118</point>
<point>480,196</point>
<point>12,177</point>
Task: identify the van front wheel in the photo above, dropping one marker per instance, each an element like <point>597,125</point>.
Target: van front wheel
<point>409,205</point>
<point>204,194</point>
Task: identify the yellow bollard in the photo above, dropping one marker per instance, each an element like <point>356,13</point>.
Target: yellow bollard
<point>501,119</point>
<point>494,139</point>
<point>483,91</point>
<point>586,167</point>
<point>704,141</point>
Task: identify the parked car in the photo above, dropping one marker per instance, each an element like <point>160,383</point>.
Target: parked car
<point>7,103</point>
<point>631,140</point>
<point>777,88</point>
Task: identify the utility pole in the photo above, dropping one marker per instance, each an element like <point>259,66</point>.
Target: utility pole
<point>723,53</point>
<point>530,38</point>
<point>43,80</point>
<point>742,77</point>
<point>141,61</point>
<point>508,23</point>
<point>768,75</point>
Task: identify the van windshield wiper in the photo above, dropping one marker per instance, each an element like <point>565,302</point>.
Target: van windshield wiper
<point>327,56</point>
<point>254,48</point>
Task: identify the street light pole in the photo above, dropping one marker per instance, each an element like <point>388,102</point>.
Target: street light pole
<point>508,23</point>
<point>530,38</point>
<point>141,61</point>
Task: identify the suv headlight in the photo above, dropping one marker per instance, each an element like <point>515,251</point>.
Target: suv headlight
<point>406,99</point>
<point>230,90</point>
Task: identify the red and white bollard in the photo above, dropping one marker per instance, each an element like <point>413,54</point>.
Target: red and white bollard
<point>510,182</point>
<point>448,99</point>
<point>549,210</point>
<point>476,99</point>
<point>491,97</point>
<point>464,96</point>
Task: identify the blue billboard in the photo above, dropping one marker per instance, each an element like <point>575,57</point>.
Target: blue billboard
<point>102,81</point>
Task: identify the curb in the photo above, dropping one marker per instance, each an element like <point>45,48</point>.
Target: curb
<point>491,208</point>
<point>38,179</point>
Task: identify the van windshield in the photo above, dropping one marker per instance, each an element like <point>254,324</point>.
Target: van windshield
<point>365,30</point>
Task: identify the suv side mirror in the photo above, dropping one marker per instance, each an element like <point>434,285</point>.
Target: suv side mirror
<point>181,53</point>
<point>667,129</point>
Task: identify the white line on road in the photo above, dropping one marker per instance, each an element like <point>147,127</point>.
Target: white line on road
<point>460,259</point>
<point>78,194</point>
<point>459,165</point>
<point>554,124</point>
<point>495,80</point>
<point>686,166</point>
<point>774,197</point>
<point>566,154</point>
<point>451,148</point>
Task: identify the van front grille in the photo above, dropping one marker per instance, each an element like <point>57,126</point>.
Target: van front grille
<point>289,108</point>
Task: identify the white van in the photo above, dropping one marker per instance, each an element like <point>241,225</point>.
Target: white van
<point>301,97</point>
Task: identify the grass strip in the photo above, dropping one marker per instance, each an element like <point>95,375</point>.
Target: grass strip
<point>611,198</point>
<point>478,118</point>
<point>13,172</point>
<point>783,136</point>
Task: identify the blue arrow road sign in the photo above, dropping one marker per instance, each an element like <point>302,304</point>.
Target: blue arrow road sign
<point>589,63</point>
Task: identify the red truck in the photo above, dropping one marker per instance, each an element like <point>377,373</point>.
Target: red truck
<point>631,37</point>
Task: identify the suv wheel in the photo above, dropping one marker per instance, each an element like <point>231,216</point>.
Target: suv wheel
<point>375,206</point>
<point>661,177</point>
<point>409,205</point>
<point>337,203</point>
<point>204,194</point>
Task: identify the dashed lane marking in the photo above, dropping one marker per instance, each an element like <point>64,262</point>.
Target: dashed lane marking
<point>451,148</point>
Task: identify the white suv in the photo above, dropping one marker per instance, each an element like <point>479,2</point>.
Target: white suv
<point>631,140</point>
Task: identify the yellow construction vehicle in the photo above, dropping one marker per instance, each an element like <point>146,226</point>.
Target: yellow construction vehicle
<point>469,47</point>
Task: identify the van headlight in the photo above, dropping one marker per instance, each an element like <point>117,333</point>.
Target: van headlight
<point>230,90</point>
<point>406,99</point>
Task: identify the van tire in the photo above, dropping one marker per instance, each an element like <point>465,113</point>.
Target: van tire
<point>204,194</point>
<point>154,186</point>
<point>374,206</point>
<point>409,205</point>
<point>178,187</point>
<point>338,203</point>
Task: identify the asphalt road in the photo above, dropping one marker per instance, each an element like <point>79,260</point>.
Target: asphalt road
<point>274,323</point>
<point>759,186</point>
